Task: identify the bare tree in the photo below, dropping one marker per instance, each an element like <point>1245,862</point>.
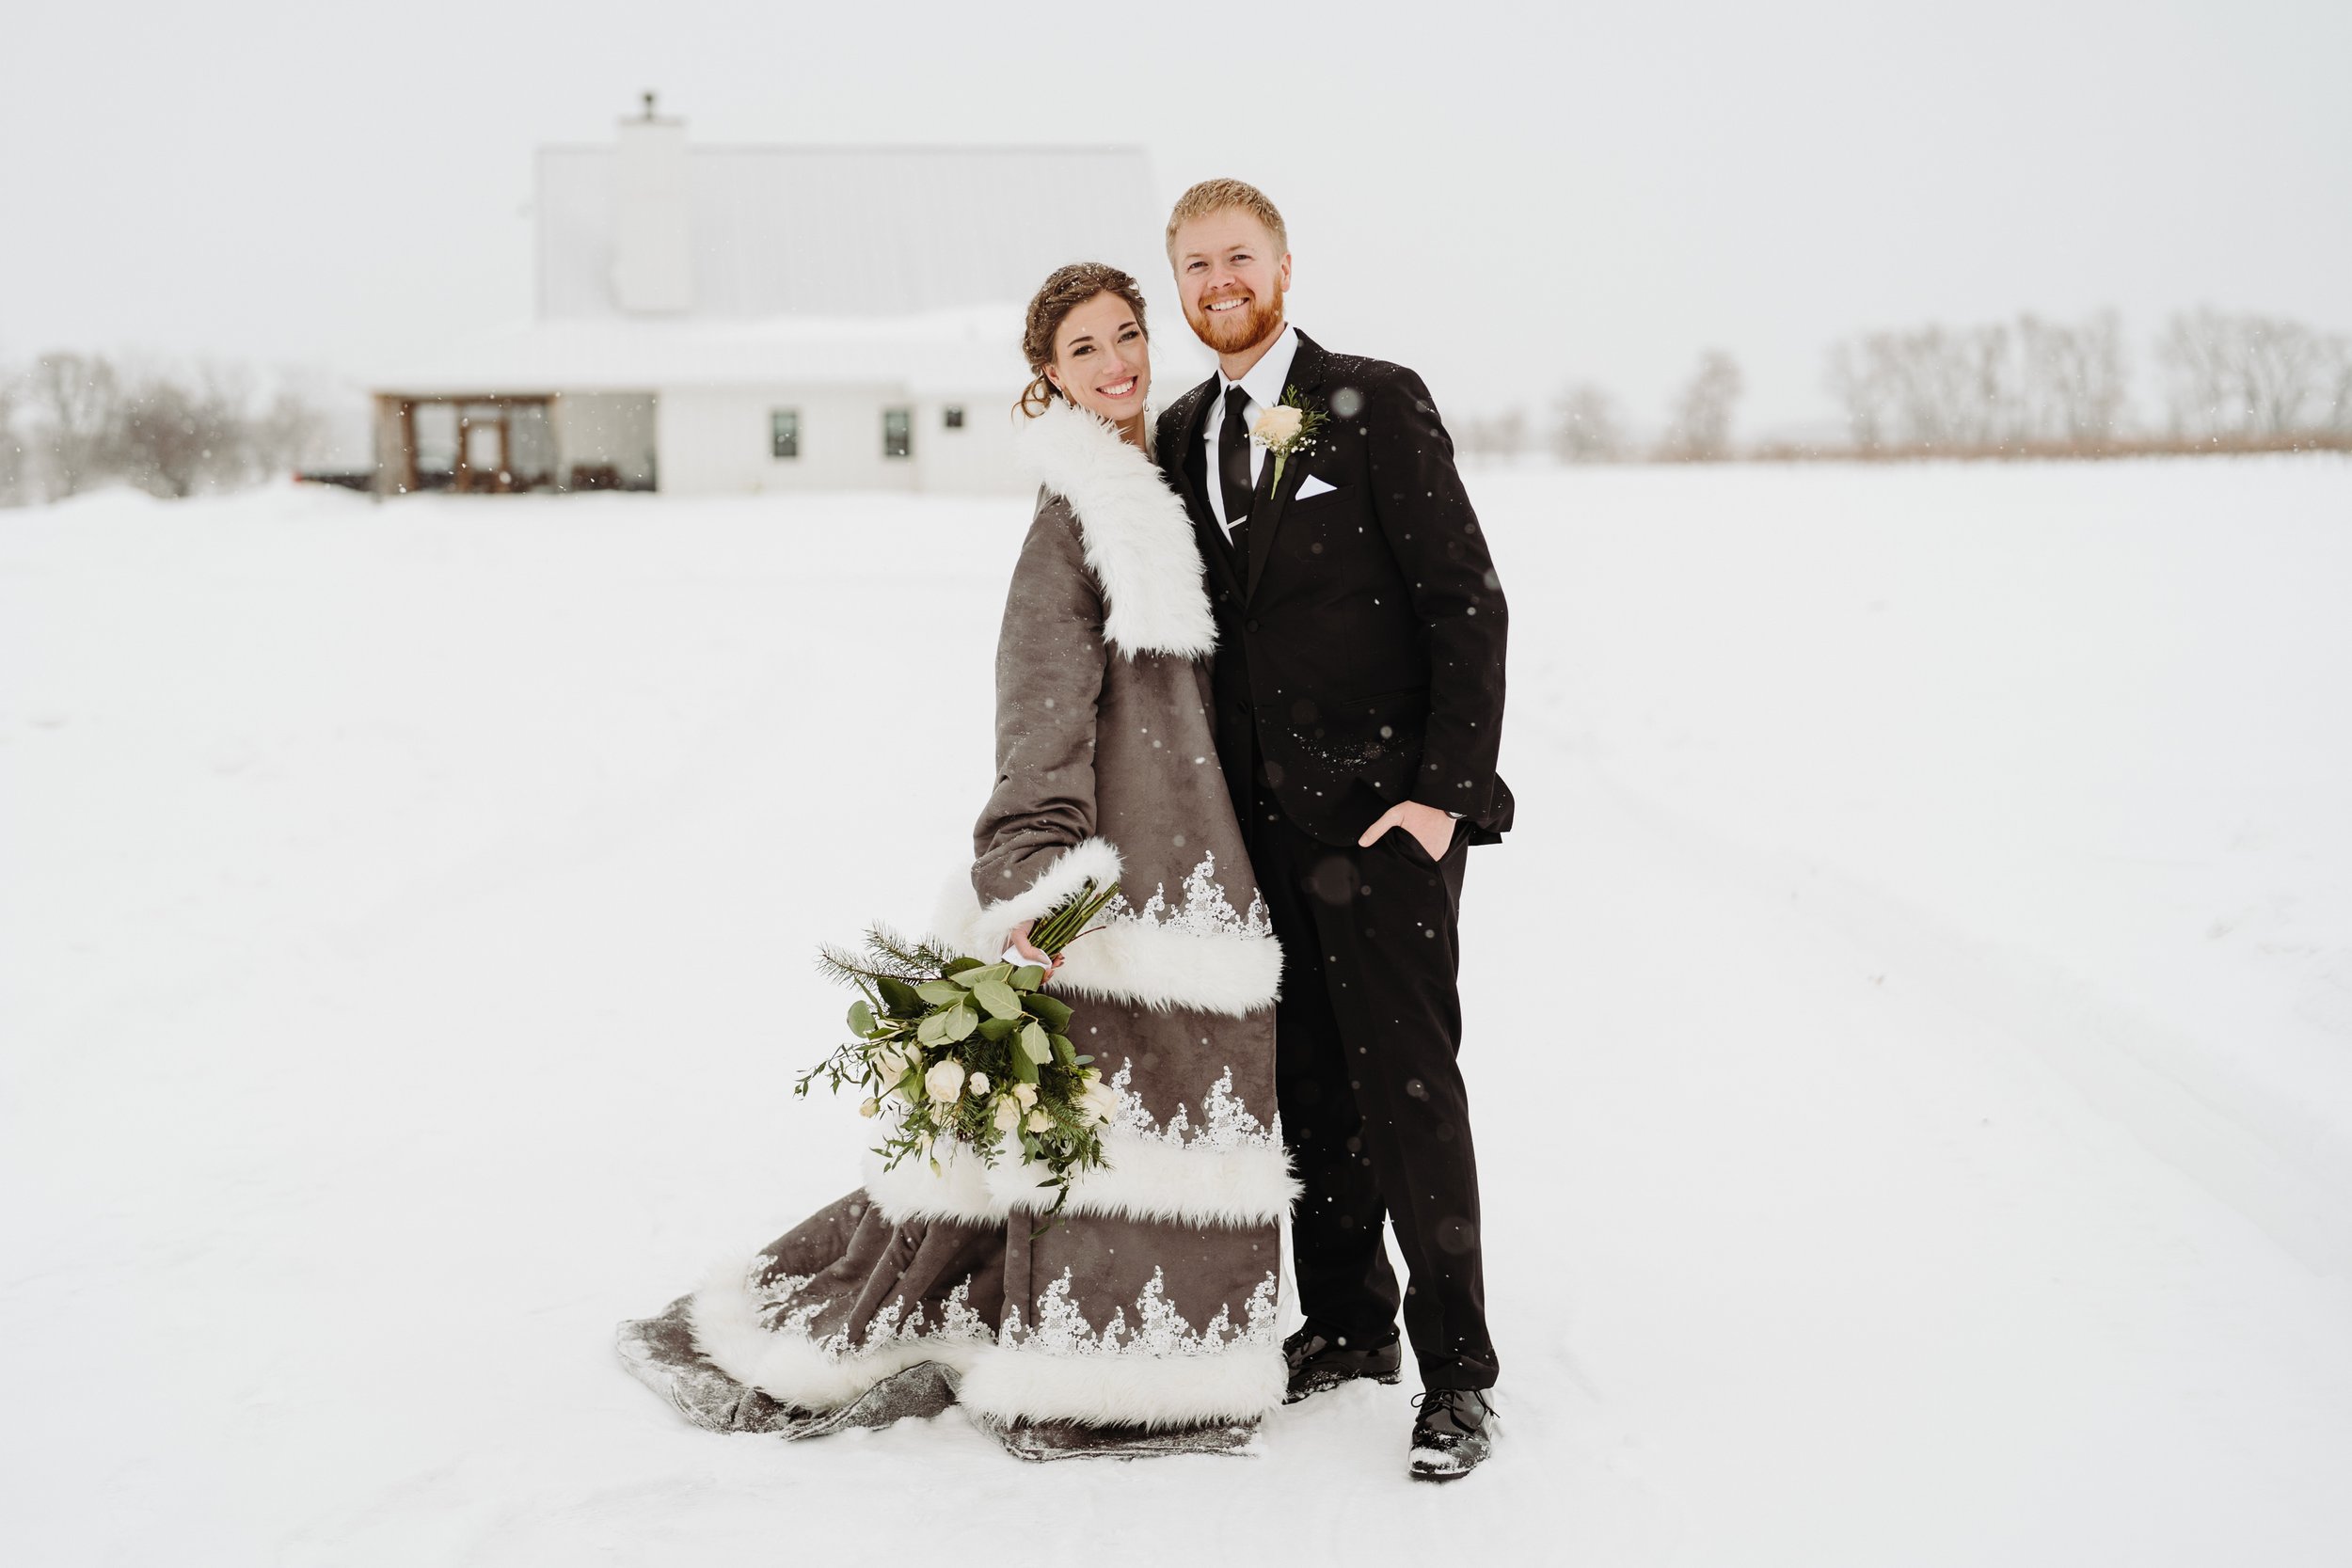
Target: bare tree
<point>2077,385</point>
<point>11,445</point>
<point>1503,435</point>
<point>74,399</point>
<point>2244,375</point>
<point>1699,430</point>
<point>1853,380</point>
<point>1986,388</point>
<point>1586,426</point>
<point>286,434</point>
<point>177,434</point>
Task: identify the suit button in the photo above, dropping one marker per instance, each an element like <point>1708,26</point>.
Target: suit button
<point>1251,626</point>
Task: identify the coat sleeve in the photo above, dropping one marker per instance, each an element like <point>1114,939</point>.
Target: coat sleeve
<point>1034,844</point>
<point>1433,533</point>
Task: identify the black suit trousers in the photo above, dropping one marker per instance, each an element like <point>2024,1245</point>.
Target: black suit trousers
<point>1374,1109</point>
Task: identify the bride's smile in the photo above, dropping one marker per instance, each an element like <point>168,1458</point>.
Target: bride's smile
<point>1102,362</point>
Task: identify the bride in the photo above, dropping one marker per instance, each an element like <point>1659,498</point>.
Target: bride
<point>1141,1319</point>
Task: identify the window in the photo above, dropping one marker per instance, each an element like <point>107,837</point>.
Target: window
<point>784,433</point>
<point>953,417</point>
<point>897,433</point>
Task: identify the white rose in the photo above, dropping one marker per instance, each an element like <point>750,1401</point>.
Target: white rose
<point>890,1061</point>
<point>1276,425</point>
<point>1038,1121</point>
<point>977,1089</point>
<point>1025,1093</point>
<point>1008,1113</point>
<point>869,1106</point>
<point>1102,1102</point>
<point>945,1081</point>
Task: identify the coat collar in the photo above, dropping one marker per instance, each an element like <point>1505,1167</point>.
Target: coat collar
<point>1136,532</point>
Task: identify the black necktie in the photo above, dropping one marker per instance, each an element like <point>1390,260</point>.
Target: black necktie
<point>1232,464</point>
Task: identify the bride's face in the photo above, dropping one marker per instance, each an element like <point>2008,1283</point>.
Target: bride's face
<point>1100,359</point>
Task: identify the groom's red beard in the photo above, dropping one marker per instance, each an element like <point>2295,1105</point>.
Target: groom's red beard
<point>1236,331</point>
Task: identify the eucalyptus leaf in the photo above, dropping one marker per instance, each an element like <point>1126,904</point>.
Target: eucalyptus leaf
<point>1046,1011</point>
<point>1028,977</point>
<point>940,993</point>
<point>995,1030</point>
<point>1034,1041</point>
<point>998,998</point>
<point>959,966</point>
<point>1065,1051</point>
<point>933,1030</point>
<point>1024,1070</point>
<point>861,1018</point>
<point>898,996</point>
<point>960,1022</point>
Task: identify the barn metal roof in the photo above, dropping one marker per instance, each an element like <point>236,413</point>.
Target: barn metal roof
<point>838,232</point>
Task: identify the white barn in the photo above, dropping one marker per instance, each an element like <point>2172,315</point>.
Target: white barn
<point>731,320</point>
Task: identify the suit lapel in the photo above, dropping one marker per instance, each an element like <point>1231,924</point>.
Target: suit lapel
<point>1266,507</point>
<point>1191,475</point>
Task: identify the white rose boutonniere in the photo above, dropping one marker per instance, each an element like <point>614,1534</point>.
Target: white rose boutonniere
<point>1287,427</point>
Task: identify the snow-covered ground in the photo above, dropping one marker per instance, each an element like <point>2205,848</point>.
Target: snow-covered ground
<point>1927,1141</point>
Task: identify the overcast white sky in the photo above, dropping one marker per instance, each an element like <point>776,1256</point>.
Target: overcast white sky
<point>1505,197</point>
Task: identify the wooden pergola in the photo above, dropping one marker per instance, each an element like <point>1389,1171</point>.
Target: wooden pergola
<point>396,441</point>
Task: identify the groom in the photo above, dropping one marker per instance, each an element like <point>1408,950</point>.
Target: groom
<point>1358,691</point>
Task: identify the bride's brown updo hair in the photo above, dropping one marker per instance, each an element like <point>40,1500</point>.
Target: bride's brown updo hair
<point>1069,288</point>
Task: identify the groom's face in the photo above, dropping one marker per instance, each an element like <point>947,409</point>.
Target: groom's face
<point>1230,278</point>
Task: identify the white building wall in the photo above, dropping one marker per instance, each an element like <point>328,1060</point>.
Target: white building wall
<point>975,460</point>
<point>715,440</point>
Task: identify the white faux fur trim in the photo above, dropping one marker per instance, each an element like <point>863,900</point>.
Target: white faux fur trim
<point>1136,534</point>
<point>1236,1383</point>
<point>1128,960</point>
<point>962,1189</point>
<point>1145,1178</point>
<point>1124,960</point>
<point>984,931</point>
<point>790,1367</point>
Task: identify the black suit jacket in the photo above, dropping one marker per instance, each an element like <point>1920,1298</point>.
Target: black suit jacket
<point>1360,645</point>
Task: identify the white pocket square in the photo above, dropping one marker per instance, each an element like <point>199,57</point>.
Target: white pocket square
<point>1311,485</point>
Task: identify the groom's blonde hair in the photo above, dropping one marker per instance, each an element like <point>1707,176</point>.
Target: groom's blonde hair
<point>1215,195</point>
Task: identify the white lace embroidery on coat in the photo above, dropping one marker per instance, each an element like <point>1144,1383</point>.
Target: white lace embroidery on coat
<point>958,1319</point>
<point>1205,911</point>
<point>1226,1121</point>
<point>1062,1329</point>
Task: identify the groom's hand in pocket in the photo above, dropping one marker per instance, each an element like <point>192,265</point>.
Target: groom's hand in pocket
<point>1432,829</point>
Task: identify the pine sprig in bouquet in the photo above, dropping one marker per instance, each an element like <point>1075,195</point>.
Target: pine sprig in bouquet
<point>953,1047</point>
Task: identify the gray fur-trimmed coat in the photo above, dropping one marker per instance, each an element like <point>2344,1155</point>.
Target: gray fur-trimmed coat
<point>1151,1301</point>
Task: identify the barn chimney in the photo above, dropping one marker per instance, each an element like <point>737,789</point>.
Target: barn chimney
<point>653,260</point>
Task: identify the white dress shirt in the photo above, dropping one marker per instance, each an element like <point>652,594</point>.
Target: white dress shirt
<point>1264,382</point>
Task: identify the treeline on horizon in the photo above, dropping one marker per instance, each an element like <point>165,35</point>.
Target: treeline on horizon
<point>71,423</point>
<point>2226,382</point>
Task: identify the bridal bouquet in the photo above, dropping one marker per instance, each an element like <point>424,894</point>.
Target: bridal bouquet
<point>952,1048</point>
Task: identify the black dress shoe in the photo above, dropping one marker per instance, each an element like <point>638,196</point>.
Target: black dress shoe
<point>1319,1361</point>
<point>1455,1430</point>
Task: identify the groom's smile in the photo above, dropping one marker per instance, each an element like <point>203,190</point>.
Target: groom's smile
<point>1231,274</point>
